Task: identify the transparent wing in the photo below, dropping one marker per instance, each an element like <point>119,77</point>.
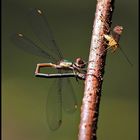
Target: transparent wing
<point>124,54</point>
<point>68,96</point>
<point>60,94</point>
<point>29,46</point>
<point>54,106</point>
<point>42,30</point>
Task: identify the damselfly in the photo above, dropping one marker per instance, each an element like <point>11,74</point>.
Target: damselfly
<point>62,93</point>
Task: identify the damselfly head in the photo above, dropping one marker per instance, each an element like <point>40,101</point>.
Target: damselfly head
<point>79,62</point>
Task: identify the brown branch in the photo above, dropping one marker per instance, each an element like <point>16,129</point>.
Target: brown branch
<point>95,72</point>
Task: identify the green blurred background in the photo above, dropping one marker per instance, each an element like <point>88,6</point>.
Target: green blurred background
<point>24,96</point>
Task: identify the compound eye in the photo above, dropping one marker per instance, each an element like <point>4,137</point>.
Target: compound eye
<point>80,63</point>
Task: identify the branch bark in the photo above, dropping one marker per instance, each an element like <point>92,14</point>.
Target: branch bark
<point>95,71</point>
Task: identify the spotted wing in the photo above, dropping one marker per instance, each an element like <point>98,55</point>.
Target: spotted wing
<point>26,44</point>
<point>40,26</point>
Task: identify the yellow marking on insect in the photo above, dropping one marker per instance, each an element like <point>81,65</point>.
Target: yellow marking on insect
<point>65,64</point>
<point>114,38</point>
<point>112,43</point>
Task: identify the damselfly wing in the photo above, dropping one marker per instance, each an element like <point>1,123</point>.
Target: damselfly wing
<point>58,96</point>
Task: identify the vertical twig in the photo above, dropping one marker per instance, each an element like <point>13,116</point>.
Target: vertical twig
<point>95,72</point>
